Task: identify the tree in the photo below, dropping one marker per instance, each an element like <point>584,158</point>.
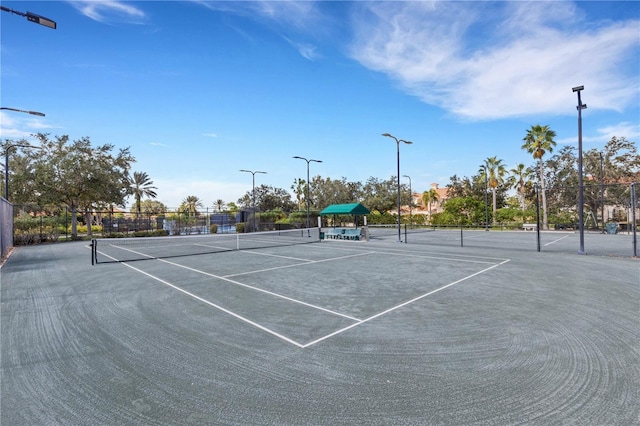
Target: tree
<point>299,188</point>
<point>190,205</point>
<point>619,163</point>
<point>561,180</point>
<point>21,172</point>
<point>461,211</point>
<point>81,176</point>
<point>382,195</point>
<point>430,196</point>
<point>141,185</point>
<point>219,205</point>
<point>153,207</point>
<point>333,191</point>
<point>538,141</point>
<point>495,171</point>
<point>519,179</point>
<point>268,198</point>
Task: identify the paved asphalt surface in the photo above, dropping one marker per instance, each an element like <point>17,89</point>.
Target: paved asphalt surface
<point>335,333</point>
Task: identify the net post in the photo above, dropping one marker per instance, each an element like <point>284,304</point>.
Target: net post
<point>93,250</point>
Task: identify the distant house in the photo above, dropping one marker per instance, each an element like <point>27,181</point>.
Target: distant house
<point>419,207</point>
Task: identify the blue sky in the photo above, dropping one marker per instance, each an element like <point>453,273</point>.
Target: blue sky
<point>201,89</point>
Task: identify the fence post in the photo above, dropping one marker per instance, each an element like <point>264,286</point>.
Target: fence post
<point>537,215</point>
<point>633,219</point>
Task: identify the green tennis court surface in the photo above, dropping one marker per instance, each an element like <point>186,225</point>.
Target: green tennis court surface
<point>337,332</point>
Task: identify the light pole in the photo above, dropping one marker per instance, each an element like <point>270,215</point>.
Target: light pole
<point>580,107</point>
<point>602,192</point>
<point>6,165</point>
<point>32,17</point>
<point>486,200</point>
<point>410,201</point>
<point>307,192</point>
<point>253,192</point>
<point>398,144</point>
<point>22,110</point>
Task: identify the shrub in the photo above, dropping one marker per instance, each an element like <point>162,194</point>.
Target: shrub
<point>240,227</point>
<point>213,229</point>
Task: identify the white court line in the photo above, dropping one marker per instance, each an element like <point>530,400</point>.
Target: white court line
<point>426,254</point>
<point>280,296</point>
<point>306,262</point>
<point>555,241</point>
<point>448,259</point>
<point>402,305</point>
<point>280,336</point>
<point>233,314</point>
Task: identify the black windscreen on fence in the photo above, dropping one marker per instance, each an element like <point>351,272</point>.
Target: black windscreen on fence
<point>6,226</point>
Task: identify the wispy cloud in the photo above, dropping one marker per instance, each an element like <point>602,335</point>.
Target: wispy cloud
<point>13,127</point>
<point>287,13</point>
<point>107,11</point>
<point>631,131</point>
<point>210,135</point>
<point>287,17</point>
<point>157,144</point>
<point>482,60</point>
<point>306,50</point>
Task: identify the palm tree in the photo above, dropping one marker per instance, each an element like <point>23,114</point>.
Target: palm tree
<point>190,205</point>
<point>141,185</point>
<point>518,180</point>
<point>495,177</point>
<point>428,197</point>
<point>538,141</point>
<point>299,188</point>
<point>219,204</point>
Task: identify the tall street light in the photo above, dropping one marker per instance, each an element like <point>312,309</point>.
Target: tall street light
<point>410,201</point>
<point>580,107</point>
<point>398,144</point>
<point>253,192</point>
<point>32,17</point>
<point>307,192</point>
<point>40,114</point>
<point>6,164</point>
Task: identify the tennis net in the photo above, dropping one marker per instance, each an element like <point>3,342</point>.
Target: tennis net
<point>105,250</point>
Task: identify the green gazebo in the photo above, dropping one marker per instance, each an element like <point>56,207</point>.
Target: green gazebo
<point>351,209</point>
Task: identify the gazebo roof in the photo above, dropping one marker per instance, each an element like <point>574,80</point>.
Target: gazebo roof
<point>352,208</point>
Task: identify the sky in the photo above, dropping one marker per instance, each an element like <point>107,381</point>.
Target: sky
<point>199,90</point>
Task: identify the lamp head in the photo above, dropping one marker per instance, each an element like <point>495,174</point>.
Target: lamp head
<point>577,89</point>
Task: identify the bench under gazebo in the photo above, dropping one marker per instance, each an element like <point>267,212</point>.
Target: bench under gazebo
<point>350,209</point>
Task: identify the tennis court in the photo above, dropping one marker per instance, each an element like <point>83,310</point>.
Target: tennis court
<point>330,332</point>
